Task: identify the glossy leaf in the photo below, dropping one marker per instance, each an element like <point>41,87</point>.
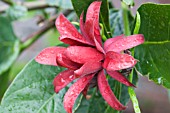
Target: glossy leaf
<point>9,45</point>
<point>154,54</point>
<point>32,91</point>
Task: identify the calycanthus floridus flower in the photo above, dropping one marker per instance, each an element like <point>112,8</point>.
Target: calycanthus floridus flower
<point>88,60</point>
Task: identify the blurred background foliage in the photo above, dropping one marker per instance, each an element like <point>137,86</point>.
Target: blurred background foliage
<point>27,21</point>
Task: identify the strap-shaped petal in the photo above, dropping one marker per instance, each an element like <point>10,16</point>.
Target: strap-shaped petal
<point>89,29</point>
<point>126,43</point>
<point>93,15</point>
<point>83,31</point>
<point>107,93</point>
<point>99,46</point>
<point>116,61</point>
<point>119,77</point>
<point>62,60</point>
<point>73,92</point>
<point>109,41</point>
<point>88,68</point>
<point>48,55</point>
<point>63,79</point>
<point>68,32</point>
<point>82,55</point>
<point>85,90</point>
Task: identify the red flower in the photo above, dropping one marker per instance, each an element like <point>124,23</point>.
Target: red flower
<point>87,60</point>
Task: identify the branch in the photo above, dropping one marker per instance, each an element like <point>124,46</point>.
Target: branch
<point>48,24</point>
<point>29,5</point>
<point>9,2</point>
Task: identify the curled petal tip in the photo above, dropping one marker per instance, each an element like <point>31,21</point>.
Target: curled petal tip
<point>116,61</point>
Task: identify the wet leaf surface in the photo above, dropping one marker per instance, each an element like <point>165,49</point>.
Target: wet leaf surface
<point>32,91</point>
<point>154,54</point>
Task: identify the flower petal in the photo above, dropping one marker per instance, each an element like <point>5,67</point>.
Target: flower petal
<point>74,91</point>
<point>85,90</point>
<point>116,61</point>
<point>83,31</point>
<point>48,55</point>
<point>82,55</point>
<point>88,68</point>
<point>126,43</point>
<point>109,41</point>
<point>99,46</point>
<point>107,93</point>
<point>68,32</point>
<point>63,79</point>
<point>119,77</point>
<point>89,29</point>
<point>93,16</point>
<point>62,60</point>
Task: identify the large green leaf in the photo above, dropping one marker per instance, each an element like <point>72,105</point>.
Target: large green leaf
<point>32,91</point>
<point>9,45</point>
<point>65,4</point>
<point>154,54</point>
<point>82,5</point>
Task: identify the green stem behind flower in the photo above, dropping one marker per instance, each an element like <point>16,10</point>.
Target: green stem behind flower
<point>127,32</point>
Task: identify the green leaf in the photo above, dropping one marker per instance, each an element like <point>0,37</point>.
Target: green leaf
<point>32,91</point>
<point>15,12</point>
<point>4,83</point>
<point>9,45</point>
<point>65,4</point>
<point>154,54</point>
<point>104,12</point>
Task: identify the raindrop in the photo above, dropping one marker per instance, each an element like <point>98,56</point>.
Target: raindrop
<point>147,62</point>
<point>52,52</point>
<point>65,32</point>
<point>106,90</point>
<point>160,80</point>
<point>62,28</point>
<point>84,79</point>
<point>71,77</point>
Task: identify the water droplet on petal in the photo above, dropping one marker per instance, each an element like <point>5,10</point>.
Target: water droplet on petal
<point>52,52</point>
<point>71,77</point>
<point>107,90</point>
<point>84,79</point>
